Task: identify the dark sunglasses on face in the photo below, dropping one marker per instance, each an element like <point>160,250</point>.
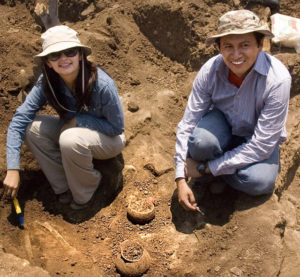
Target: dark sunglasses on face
<point>71,52</point>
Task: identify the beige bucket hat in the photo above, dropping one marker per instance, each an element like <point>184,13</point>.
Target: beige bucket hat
<point>239,22</point>
<point>59,38</point>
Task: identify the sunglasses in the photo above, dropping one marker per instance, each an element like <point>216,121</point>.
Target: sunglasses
<point>71,52</point>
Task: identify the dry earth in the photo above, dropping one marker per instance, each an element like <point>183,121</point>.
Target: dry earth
<point>152,49</point>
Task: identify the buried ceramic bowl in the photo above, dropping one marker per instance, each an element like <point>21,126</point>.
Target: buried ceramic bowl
<point>133,260</point>
<point>140,210</point>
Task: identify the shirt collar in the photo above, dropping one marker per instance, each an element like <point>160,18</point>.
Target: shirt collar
<point>262,64</point>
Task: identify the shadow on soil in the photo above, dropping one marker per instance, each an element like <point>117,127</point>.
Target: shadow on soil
<point>217,208</point>
<point>35,186</point>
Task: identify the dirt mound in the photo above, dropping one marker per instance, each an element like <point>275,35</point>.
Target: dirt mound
<point>152,50</point>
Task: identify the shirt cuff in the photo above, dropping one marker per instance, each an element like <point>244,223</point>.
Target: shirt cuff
<point>13,162</point>
<point>216,169</point>
<point>179,172</point>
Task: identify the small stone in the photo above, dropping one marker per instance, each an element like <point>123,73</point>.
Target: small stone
<point>90,9</point>
<point>133,107</point>
<point>236,3</point>
<point>208,226</point>
<point>236,271</point>
<point>217,268</point>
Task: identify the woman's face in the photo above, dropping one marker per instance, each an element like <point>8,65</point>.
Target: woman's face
<point>65,63</point>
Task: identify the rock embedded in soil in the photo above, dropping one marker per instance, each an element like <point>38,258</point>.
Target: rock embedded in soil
<point>133,107</point>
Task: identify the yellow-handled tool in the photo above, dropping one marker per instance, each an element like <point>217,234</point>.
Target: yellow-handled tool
<point>19,213</point>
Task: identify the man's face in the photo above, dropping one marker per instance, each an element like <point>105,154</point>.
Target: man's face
<point>239,52</point>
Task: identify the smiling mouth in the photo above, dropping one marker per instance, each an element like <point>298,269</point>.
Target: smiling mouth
<point>238,63</point>
<point>65,64</point>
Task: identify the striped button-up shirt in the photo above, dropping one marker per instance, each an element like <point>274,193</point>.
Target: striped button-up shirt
<point>257,111</point>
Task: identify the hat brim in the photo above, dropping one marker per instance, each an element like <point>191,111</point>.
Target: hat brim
<point>60,47</point>
<point>212,39</point>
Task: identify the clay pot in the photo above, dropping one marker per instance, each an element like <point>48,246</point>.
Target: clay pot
<point>133,260</point>
<point>140,211</point>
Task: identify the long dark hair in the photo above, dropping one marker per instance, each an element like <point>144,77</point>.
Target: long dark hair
<point>51,87</point>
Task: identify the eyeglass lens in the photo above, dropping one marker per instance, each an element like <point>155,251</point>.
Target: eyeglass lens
<point>71,52</point>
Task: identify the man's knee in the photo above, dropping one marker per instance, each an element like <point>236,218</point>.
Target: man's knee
<point>204,146</point>
<point>211,135</point>
<point>258,184</point>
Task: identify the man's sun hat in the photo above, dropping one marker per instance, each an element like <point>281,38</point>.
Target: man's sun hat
<point>59,38</point>
<point>239,22</point>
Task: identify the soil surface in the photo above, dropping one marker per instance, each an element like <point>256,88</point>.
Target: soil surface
<point>153,50</point>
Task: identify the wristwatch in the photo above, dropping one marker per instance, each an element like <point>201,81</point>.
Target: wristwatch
<point>202,167</point>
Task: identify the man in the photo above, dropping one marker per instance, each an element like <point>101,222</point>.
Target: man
<point>235,116</point>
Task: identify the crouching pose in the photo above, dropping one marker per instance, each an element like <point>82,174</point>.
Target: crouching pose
<point>90,123</point>
<point>235,117</point>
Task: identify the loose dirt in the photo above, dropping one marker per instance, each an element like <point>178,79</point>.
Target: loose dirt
<point>153,50</point>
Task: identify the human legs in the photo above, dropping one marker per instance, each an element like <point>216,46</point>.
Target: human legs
<point>212,136</point>
<point>42,137</point>
<point>258,178</point>
<point>78,148</point>
<point>66,159</point>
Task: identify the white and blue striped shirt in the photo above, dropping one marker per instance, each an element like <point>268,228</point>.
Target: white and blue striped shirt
<point>257,111</point>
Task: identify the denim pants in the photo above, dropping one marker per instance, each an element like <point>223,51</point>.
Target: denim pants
<point>212,137</point>
<point>67,158</point>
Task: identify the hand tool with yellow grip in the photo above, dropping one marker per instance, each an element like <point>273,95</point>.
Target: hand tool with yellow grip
<point>19,213</point>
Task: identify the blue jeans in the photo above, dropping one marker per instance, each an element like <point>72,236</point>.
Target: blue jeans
<point>212,137</point>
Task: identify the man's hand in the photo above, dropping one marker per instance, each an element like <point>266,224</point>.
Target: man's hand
<point>69,124</point>
<point>186,197</point>
<point>11,183</point>
<point>190,168</point>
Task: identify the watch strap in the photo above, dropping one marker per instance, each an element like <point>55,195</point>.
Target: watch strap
<point>202,167</point>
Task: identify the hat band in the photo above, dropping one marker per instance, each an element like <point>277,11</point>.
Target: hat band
<point>232,27</point>
<point>61,42</point>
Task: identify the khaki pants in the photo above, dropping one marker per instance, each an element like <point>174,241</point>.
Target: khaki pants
<point>67,158</point>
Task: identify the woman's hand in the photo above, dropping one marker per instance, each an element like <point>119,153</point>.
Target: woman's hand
<point>11,183</point>
<point>186,197</point>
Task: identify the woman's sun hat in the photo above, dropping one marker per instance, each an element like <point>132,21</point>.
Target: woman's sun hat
<point>237,23</point>
<point>59,38</point>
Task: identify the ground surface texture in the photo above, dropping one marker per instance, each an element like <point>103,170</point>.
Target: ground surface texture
<point>153,50</point>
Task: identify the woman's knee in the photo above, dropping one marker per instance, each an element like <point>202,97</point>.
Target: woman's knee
<point>70,142</point>
<point>43,127</point>
<point>32,131</point>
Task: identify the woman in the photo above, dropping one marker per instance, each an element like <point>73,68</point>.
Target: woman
<point>90,123</point>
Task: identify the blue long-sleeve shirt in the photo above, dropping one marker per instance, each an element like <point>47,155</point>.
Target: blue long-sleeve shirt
<point>104,113</point>
<point>257,111</point>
